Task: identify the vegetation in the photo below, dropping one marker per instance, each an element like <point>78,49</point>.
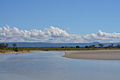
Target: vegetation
<point>4,48</point>
<point>101,45</point>
<point>2,45</point>
<point>15,48</point>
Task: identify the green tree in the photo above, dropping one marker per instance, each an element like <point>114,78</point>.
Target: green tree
<point>92,46</point>
<point>15,47</point>
<point>77,46</point>
<point>86,46</point>
<point>3,45</point>
<point>101,45</point>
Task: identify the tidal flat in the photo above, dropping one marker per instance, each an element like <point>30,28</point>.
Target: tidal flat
<point>94,54</point>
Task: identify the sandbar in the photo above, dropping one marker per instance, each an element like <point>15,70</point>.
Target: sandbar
<point>94,54</point>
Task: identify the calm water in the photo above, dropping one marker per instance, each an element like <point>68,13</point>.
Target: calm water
<point>41,65</point>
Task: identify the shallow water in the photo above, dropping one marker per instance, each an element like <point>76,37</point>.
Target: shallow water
<point>43,65</point>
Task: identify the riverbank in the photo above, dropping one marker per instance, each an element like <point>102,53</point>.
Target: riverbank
<point>28,49</point>
<point>12,51</point>
<point>94,54</point>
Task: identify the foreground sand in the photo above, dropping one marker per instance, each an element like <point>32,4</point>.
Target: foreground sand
<point>94,54</point>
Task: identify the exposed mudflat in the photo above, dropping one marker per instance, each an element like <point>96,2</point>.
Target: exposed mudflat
<point>94,54</point>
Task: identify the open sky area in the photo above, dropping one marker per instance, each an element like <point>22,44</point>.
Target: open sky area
<point>78,17</point>
<point>75,16</point>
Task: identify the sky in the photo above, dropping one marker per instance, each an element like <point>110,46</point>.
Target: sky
<point>80,17</point>
<point>75,16</point>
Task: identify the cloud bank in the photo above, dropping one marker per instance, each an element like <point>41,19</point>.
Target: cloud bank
<point>54,35</point>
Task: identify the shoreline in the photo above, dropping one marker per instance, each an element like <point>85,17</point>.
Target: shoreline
<point>78,54</point>
<point>12,52</point>
<point>94,54</point>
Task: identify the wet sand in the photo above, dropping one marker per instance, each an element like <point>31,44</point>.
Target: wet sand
<point>94,54</point>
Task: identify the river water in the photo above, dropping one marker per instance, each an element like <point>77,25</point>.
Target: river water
<point>50,65</point>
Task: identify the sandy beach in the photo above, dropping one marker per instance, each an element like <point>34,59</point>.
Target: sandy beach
<point>94,54</point>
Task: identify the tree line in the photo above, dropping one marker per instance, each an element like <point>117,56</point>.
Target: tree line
<point>5,46</point>
<point>96,46</point>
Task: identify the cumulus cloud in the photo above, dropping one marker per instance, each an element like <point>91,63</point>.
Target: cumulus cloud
<point>54,34</point>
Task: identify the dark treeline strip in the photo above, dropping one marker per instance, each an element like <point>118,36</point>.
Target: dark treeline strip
<point>5,48</point>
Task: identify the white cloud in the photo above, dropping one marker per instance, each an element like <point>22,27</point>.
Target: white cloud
<point>54,34</point>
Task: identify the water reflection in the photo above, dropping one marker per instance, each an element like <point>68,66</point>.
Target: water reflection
<point>41,65</point>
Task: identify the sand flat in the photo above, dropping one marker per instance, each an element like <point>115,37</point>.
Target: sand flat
<point>94,54</point>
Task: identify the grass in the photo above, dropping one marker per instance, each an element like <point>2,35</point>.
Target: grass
<point>26,49</point>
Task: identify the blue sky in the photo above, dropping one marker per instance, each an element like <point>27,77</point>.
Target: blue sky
<point>75,16</point>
